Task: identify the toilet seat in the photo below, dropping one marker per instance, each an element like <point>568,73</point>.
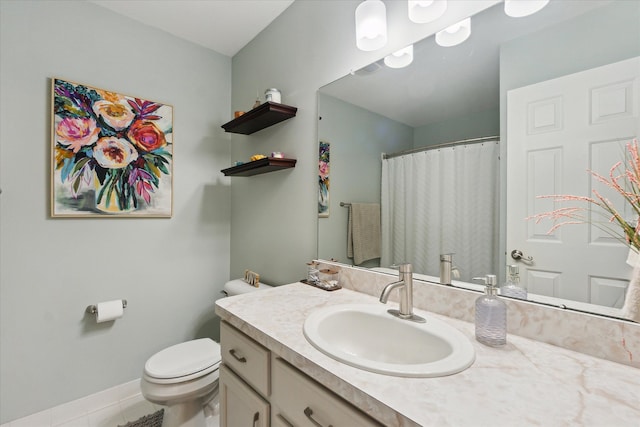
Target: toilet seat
<point>183,362</point>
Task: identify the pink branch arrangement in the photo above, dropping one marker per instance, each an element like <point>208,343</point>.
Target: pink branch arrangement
<point>624,178</point>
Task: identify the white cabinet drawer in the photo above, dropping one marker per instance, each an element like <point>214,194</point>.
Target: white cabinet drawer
<point>239,404</point>
<point>302,402</point>
<point>279,421</point>
<point>246,357</point>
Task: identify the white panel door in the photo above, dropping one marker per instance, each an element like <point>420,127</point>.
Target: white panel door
<point>557,130</point>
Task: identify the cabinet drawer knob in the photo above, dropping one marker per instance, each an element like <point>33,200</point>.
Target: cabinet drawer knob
<point>240,359</point>
<point>256,418</point>
<point>309,413</point>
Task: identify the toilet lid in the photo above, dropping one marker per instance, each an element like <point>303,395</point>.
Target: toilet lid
<point>183,359</point>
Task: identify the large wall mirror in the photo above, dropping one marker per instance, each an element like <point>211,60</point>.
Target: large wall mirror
<point>456,147</point>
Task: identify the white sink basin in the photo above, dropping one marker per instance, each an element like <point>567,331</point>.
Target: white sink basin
<point>367,337</point>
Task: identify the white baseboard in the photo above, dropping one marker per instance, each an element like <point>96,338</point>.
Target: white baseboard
<point>113,406</point>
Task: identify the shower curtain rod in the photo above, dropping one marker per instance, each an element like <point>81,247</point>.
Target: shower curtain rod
<point>443,145</point>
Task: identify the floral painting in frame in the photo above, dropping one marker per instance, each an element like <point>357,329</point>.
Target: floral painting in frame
<point>323,180</point>
<point>112,154</point>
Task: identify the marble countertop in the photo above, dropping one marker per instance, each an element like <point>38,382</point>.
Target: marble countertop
<point>525,382</point>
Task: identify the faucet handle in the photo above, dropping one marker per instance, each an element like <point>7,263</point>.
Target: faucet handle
<point>455,272</point>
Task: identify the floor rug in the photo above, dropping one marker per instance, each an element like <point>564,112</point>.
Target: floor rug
<point>151,420</point>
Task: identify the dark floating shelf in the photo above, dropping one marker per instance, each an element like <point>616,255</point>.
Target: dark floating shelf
<point>268,164</point>
<point>261,117</point>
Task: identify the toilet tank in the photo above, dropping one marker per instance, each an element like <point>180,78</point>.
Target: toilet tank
<point>239,286</point>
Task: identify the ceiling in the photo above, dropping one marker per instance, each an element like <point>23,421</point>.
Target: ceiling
<point>442,82</point>
<point>224,26</point>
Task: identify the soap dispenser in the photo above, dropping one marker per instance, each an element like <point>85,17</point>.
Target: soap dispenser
<point>512,287</point>
<point>491,314</point>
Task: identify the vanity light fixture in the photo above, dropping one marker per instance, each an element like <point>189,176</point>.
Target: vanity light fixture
<point>520,8</point>
<point>400,58</point>
<point>371,25</point>
<point>454,34</point>
<point>423,11</point>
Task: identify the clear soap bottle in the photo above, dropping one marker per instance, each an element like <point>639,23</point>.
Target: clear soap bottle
<point>512,287</point>
<point>491,315</point>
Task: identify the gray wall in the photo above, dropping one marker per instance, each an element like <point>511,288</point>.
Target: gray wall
<point>599,37</point>
<point>357,137</point>
<point>475,125</point>
<point>274,224</point>
<point>169,270</point>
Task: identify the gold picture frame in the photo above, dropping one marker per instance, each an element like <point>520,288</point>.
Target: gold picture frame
<point>111,154</point>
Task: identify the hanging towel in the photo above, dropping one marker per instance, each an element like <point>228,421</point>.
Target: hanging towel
<point>631,307</point>
<point>363,232</point>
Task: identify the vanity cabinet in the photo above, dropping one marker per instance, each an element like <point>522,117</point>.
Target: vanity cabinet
<point>297,400</point>
<point>248,359</point>
<point>244,380</point>
<point>240,405</point>
<point>259,389</point>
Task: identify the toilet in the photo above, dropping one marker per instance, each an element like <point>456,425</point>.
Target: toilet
<point>184,377</point>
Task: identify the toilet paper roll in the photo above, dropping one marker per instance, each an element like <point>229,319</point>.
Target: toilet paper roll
<point>109,310</point>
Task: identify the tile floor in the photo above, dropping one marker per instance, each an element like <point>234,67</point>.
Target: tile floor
<point>109,408</point>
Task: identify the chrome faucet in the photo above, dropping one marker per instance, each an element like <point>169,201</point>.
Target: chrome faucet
<point>447,269</point>
<point>405,286</point>
<point>446,261</point>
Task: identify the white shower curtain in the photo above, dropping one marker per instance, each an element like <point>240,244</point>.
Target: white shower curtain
<point>443,200</point>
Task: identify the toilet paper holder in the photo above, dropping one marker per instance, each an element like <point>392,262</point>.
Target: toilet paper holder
<point>93,309</point>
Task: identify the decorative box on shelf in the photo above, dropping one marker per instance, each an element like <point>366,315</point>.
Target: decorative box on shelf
<point>256,167</point>
<point>261,117</point>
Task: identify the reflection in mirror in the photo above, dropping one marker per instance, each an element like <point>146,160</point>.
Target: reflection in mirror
<point>491,89</point>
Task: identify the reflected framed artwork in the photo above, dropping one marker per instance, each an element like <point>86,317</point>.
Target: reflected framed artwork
<point>323,180</point>
<point>111,154</point>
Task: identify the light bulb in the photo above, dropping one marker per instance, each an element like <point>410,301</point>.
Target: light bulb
<point>453,28</point>
<point>371,25</point>
<point>454,34</point>
<point>423,11</point>
<point>521,8</point>
<point>400,58</point>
